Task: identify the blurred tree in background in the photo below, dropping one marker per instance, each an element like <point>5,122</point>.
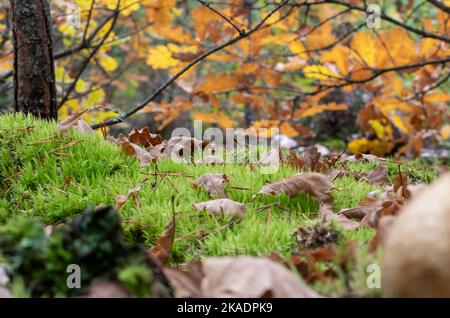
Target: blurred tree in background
<point>373,74</point>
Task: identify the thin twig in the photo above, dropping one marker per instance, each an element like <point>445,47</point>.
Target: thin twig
<point>228,20</point>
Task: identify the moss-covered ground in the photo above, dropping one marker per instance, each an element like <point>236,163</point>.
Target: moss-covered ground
<point>53,178</point>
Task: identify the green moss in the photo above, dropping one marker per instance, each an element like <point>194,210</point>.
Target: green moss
<point>91,241</point>
<point>39,180</point>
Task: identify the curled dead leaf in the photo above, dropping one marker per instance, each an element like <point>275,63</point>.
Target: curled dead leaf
<point>163,246</point>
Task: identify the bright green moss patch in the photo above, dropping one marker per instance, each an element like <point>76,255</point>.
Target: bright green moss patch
<point>53,178</point>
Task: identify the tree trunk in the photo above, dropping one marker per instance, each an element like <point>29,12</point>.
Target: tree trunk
<point>34,74</point>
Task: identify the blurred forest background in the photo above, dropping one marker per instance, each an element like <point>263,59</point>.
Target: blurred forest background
<point>371,76</point>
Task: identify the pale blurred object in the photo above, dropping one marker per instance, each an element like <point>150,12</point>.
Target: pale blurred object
<point>417,247</point>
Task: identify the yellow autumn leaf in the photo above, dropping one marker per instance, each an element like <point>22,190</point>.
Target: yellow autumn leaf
<point>401,48</point>
<point>66,29</point>
<point>367,49</point>
<point>80,86</point>
<point>161,57</point>
<point>339,55</point>
<point>6,63</point>
<point>298,48</point>
<point>287,130</point>
<point>375,147</point>
<point>94,98</point>
<point>378,128</point>
<point>218,118</point>
<point>312,111</point>
<point>399,123</point>
<point>126,6</point>
<point>437,97</point>
<point>319,72</point>
<point>108,63</point>
<point>445,132</point>
<point>279,39</point>
<point>60,74</point>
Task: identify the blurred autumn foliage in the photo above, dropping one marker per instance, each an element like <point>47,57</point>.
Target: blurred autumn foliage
<point>252,63</point>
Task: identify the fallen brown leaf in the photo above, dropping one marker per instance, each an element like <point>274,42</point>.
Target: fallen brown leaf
<point>269,158</point>
<point>163,246</point>
<point>72,122</point>
<point>328,215</point>
<point>105,289</point>
<point>316,184</point>
<point>378,175</point>
<point>312,161</point>
<point>122,199</point>
<point>144,157</point>
<point>294,160</point>
<point>213,183</point>
<point>225,206</point>
<point>182,146</point>
<point>144,138</point>
<point>241,277</point>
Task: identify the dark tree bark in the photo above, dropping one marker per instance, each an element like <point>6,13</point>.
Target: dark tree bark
<point>34,75</point>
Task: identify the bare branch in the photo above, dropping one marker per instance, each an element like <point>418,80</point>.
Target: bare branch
<point>228,20</point>
<point>440,5</point>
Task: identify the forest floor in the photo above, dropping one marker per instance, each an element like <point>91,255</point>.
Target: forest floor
<point>49,179</point>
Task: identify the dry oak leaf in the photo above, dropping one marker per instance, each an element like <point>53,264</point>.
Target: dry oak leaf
<point>378,175</point>
<point>184,146</point>
<point>240,277</point>
<point>416,260</point>
<point>164,244</point>
<point>214,183</point>
<point>144,157</point>
<point>316,184</point>
<point>144,138</point>
<point>312,161</point>
<point>225,206</point>
<point>294,160</point>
